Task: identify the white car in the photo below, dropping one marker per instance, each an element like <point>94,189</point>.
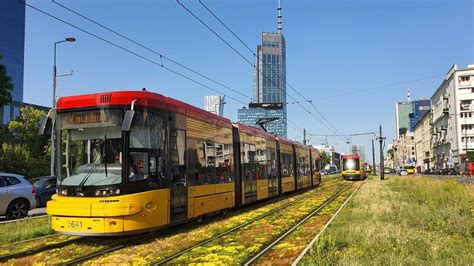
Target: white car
<point>17,196</point>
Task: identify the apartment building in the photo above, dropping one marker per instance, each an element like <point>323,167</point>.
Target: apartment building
<point>453,119</point>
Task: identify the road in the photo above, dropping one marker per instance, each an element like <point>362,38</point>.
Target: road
<point>31,213</point>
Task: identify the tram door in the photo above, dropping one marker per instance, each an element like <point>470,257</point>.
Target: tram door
<point>250,172</point>
<point>178,185</point>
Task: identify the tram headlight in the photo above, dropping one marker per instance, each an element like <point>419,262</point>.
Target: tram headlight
<point>107,192</point>
<point>63,192</point>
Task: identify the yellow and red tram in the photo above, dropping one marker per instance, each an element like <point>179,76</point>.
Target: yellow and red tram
<point>135,161</point>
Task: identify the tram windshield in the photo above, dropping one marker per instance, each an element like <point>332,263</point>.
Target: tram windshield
<point>90,150</point>
<point>351,164</point>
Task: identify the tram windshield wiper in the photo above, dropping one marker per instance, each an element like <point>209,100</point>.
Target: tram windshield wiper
<point>94,167</point>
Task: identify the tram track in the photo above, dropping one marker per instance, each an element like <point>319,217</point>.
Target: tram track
<point>43,245</point>
<point>152,236</point>
<point>170,259</point>
<point>23,219</point>
<point>281,238</point>
<point>111,245</point>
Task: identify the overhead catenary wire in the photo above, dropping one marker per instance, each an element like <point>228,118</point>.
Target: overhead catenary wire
<point>162,56</point>
<point>271,68</point>
<point>379,87</point>
<point>330,127</point>
<point>127,50</point>
<point>160,64</point>
<point>154,51</point>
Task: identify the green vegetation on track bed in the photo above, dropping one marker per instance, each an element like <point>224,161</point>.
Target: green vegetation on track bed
<point>23,230</point>
<point>162,247</point>
<point>402,220</point>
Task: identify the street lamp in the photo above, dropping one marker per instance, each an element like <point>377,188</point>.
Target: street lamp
<point>55,76</point>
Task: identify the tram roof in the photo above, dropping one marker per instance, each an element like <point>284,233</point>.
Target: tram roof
<point>145,98</point>
<point>351,156</point>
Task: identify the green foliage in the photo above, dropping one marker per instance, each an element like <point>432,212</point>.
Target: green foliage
<point>6,85</point>
<point>401,221</point>
<point>325,159</point>
<point>23,151</point>
<point>22,230</point>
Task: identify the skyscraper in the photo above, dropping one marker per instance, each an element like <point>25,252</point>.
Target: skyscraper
<point>269,83</point>
<point>12,48</point>
<point>214,104</point>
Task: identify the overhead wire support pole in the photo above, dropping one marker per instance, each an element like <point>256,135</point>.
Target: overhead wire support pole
<point>374,170</point>
<point>381,139</point>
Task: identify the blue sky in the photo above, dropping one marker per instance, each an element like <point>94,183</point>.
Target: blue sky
<point>333,47</point>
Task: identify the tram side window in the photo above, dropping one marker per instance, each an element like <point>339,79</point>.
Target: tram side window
<point>223,162</point>
<point>271,163</point>
<point>287,165</point>
<point>250,166</point>
<point>201,170</point>
<point>177,157</point>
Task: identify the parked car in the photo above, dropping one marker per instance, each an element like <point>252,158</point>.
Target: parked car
<point>386,171</point>
<point>403,172</point>
<point>17,196</point>
<point>45,188</point>
<point>452,171</point>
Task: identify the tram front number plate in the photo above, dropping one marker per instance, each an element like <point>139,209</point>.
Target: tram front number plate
<point>74,224</point>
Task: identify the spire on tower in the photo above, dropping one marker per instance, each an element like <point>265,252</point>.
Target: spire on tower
<point>280,28</point>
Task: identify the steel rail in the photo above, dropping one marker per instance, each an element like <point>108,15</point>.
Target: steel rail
<point>24,219</point>
<point>36,250</point>
<point>141,239</point>
<point>306,249</point>
<point>28,240</point>
<point>281,237</point>
<point>186,250</point>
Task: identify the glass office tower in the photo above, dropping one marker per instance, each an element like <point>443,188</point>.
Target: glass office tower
<point>12,48</point>
<point>269,83</point>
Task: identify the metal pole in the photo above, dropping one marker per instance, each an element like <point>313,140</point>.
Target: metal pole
<point>382,175</point>
<point>304,136</point>
<point>465,137</point>
<point>53,128</point>
<point>374,171</point>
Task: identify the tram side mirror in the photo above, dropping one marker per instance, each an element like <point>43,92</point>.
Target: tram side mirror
<point>46,126</point>
<point>127,120</point>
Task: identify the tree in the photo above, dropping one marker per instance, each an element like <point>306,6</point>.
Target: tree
<point>6,85</point>
<point>325,159</point>
<point>24,151</point>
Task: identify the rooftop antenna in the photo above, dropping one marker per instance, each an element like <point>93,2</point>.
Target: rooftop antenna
<point>280,28</point>
<point>408,95</point>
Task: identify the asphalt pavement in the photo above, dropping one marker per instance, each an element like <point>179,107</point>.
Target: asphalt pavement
<point>31,213</point>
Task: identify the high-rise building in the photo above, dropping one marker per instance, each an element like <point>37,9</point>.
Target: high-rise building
<point>402,117</point>
<point>256,111</point>
<point>407,114</point>
<point>214,104</point>
<point>12,48</point>
<point>269,83</point>
<point>420,108</point>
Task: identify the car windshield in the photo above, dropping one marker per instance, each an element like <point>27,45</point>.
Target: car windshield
<point>90,148</point>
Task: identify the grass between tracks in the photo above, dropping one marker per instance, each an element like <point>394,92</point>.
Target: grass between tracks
<point>402,220</point>
<point>162,247</point>
<point>22,230</point>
